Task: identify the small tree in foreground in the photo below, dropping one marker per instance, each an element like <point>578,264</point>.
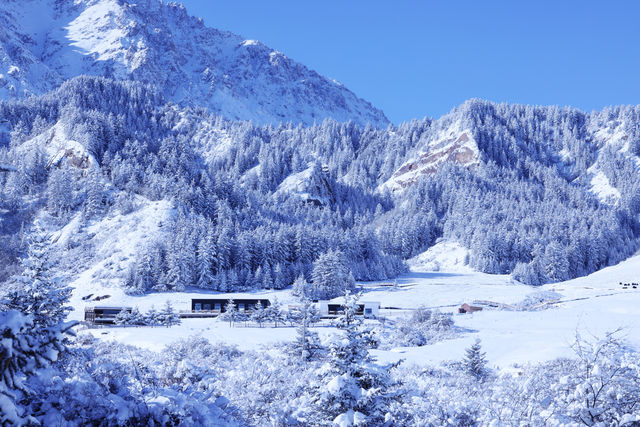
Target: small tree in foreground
<point>475,361</point>
<point>31,332</point>
<point>352,388</point>
<point>35,292</point>
<point>168,316</point>
<point>307,343</point>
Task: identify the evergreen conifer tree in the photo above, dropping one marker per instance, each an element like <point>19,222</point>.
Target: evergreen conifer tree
<point>353,389</point>
<point>259,314</point>
<point>475,361</point>
<point>168,316</point>
<point>230,313</point>
<point>34,292</point>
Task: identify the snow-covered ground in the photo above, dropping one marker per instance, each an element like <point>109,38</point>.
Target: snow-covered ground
<point>594,304</point>
<point>443,256</point>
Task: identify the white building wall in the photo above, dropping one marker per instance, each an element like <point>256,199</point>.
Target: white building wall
<point>374,306</point>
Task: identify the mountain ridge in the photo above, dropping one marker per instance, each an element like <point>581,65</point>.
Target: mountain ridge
<point>159,43</point>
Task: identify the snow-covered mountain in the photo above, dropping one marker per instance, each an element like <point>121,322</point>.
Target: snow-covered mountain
<point>45,42</point>
<point>581,147</point>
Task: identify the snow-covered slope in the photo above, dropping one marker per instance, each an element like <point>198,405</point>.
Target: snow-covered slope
<point>310,185</point>
<point>59,147</point>
<point>452,145</point>
<point>443,256</point>
<point>44,42</point>
<point>112,244</point>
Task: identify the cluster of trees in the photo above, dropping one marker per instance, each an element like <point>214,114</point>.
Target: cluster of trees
<point>166,316</point>
<point>274,313</point>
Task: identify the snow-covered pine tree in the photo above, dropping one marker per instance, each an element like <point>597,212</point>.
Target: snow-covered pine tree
<point>144,273</point>
<point>279,281</point>
<point>24,350</point>
<point>230,313</point>
<point>259,314</point>
<point>331,276</point>
<point>60,199</point>
<point>136,318</point>
<point>34,292</point>
<point>307,344</point>
<point>308,312</point>
<point>267,278</point>
<point>123,318</point>
<point>352,389</point>
<point>130,283</point>
<point>93,204</point>
<point>274,313</point>
<point>152,318</point>
<point>475,361</point>
<point>32,329</point>
<point>300,286</point>
<point>168,316</point>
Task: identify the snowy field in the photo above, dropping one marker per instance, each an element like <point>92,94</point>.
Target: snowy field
<point>591,305</point>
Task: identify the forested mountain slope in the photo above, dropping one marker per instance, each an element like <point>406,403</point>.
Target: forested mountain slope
<point>46,42</point>
<point>541,192</point>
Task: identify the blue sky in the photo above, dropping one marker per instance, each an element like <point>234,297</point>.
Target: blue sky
<point>421,58</point>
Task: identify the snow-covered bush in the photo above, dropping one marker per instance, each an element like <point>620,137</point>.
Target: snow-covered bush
<point>22,354</point>
<point>539,300</point>
<point>605,387</point>
<point>423,327</point>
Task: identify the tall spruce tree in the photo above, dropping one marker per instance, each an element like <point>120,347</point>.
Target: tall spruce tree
<point>352,389</point>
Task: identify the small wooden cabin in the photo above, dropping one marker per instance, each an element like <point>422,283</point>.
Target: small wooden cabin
<point>103,315</point>
<point>219,305</point>
<point>366,309</point>
<point>466,308</point>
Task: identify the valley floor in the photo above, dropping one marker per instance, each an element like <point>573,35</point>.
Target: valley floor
<point>591,305</point>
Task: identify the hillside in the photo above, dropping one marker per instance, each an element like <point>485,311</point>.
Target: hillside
<point>542,193</point>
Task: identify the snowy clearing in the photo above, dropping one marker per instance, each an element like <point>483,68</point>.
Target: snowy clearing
<point>594,305</point>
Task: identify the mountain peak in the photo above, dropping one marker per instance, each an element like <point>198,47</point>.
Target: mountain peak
<point>160,44</point>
